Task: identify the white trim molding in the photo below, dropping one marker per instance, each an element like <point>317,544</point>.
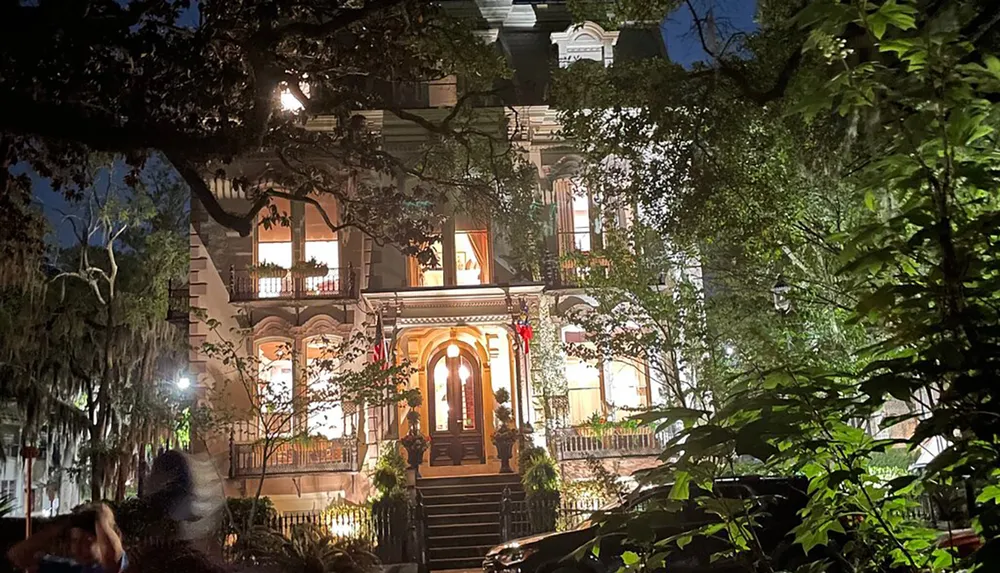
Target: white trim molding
<point>587,41</point>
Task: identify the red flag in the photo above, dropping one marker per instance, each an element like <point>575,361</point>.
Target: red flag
<point>380,349</point>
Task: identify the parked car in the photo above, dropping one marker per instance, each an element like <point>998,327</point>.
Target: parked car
<point>777,499</point>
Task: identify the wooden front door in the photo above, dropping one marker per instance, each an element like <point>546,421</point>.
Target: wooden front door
<point>456,408</point>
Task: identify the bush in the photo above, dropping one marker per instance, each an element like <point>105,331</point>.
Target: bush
<point>389,475</point>
<point>311,549</point>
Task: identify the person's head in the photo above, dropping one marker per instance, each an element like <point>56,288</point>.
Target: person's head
<point>83,545</point>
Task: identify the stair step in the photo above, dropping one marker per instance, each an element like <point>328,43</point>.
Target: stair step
<point>464,518</point>
<point>461,508</point>
<point>451,564</point>
<point>469,488</point>
<point>505,479</point>
<point>469,552</point>
<point>458,541</point>
<point>493,498</point>
<point>444,530</point>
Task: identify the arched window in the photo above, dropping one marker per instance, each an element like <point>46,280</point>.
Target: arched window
<point>326,411</point>
<point>275,378</point>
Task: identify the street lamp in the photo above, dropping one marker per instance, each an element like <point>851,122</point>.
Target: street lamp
<point>780,292</point>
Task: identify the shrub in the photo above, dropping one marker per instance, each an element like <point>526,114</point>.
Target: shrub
<point>389,476</point>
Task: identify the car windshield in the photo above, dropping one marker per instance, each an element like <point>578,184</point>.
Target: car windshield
<point>638,495</point>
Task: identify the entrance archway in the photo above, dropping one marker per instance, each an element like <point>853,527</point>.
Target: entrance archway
<point>455,407</point>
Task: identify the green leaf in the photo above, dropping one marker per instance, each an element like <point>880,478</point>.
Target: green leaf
<point>682,486</point>
<point>630,558</point>
<point>990,493</point>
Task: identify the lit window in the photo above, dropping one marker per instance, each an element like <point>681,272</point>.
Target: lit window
<point>581,223</point>
<point>321,244</point>
<point>274,247</point>
<point>625,386</point>
<point>433,276</point>
<point>441,409</point>
<point>583,381</point>
<point>326,419</point>
<point>275,376</point>
<point>470,254</point>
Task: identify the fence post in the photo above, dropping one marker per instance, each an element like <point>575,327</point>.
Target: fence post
<point>505,517</point>
<point>419,530</point>
<point>232,452</point>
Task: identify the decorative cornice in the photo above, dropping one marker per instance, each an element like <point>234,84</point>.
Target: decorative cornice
<point>453,320</point>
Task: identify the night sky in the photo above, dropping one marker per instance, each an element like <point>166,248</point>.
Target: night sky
<point>683,47</point>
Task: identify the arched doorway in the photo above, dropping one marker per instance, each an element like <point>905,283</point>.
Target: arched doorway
<point>455,407</point>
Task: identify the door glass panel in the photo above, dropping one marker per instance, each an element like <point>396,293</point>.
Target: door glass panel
<point>441,396</point>
<point>468,394</point>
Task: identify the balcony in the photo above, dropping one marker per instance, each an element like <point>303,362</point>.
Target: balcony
<point>580,443</point>
<point>298,456</point>
<point>250,286</point>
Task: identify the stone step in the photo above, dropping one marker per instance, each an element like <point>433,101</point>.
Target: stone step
<point>494,498</point>
<point>467,552</point>
<point>464,518</point>
<point>469,488</point>
<point>453,564</point>
<point>464,540</point>
<point>506,479</point>
<point>451,529</point>
<point>461,508</point>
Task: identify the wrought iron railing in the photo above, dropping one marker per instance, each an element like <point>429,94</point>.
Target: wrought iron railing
<point>260,285</point>
<point>581,443</point>
<point>294,457</point>
<point>536,515</point>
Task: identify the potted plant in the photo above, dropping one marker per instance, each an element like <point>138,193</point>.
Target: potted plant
<point>505,434</point>
<point>310,269</point>
<point>268,271</point>
<point>414,442</point>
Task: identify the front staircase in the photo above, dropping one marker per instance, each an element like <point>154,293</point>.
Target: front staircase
<point>463,517</point>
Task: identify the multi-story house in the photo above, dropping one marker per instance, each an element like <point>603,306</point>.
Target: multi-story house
<point>453,322</point>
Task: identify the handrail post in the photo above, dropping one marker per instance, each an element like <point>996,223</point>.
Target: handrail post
<point>505,517</point>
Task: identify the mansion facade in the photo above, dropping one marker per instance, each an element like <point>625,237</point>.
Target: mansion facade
<point>454,322</point>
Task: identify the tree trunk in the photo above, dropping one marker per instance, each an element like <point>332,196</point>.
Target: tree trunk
<point>103,406</point>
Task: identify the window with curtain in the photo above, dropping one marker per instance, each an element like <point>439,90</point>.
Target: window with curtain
<point>583,381</point>
<point>472,257</point>
<point>328,418</point>
<point>274,247</point>
<point>625,386</point>
<point>432,275</point>
<point>471,241</point>
<point>275,375</point>
<point>321,244</point>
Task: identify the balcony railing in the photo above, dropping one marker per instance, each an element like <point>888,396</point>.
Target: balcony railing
<point>312,455</point>
<point>581,443</point>
<point>251,285</point>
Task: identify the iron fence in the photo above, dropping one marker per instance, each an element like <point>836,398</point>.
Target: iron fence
<point>536,515</point>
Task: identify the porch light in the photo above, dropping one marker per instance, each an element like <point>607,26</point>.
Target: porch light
<point>452,351</point>
<point>289,102</point>
<point>183,383</point>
